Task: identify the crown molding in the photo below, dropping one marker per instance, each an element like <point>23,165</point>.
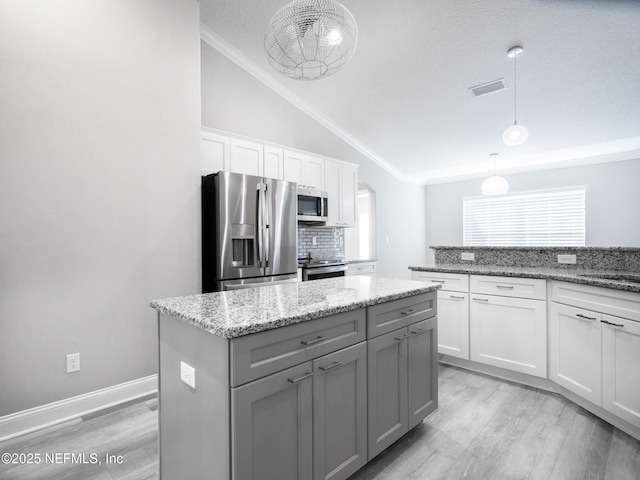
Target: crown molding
<point>215,41</point>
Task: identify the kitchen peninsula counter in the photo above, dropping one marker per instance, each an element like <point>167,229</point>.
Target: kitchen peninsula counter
<point>293,381</point>
<point>619,280</point>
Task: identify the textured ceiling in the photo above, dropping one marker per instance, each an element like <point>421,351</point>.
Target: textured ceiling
<point>404,97</point>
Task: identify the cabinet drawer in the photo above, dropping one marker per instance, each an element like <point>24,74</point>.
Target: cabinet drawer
<point>390,316</point>
<point>361,269</point>
<point>454,282</point>
<point>534,288</point>
<point>605,300</point>
<point>264,353</point>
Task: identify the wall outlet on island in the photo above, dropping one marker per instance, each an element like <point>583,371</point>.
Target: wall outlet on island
<point>468,256</point>
<point>567,259</point>
<point>188,374</point>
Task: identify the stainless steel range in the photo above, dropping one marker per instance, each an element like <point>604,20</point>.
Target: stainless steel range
<point>316,269</point>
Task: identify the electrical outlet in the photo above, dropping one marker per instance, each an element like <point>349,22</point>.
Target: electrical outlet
<point>314,241</point>
<point>566,259</point>
<point>468,256</point>
<point>188,374</point>
<point>73,362</point>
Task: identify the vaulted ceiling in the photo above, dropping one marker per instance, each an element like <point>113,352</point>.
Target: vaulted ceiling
<point>404,97</point>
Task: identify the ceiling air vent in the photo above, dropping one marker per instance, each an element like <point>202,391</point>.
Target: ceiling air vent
<point>487,88</point>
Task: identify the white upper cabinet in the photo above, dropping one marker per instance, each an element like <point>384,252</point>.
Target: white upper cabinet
<point>237,154</point>
<point>294,167</point>
<point>306,170</point>
<point>214,152</point>
<point>273,162</point>
<point>246,157</point>
<point>341,184</point>
<point>314,172</point>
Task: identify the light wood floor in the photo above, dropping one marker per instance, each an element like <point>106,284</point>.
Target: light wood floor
<point>485,429</point>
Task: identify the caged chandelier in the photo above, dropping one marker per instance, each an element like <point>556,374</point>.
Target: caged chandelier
<point>310,39</point>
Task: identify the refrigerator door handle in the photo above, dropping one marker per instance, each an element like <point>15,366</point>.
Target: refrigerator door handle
<point>260,222</point>
<point>269,218</point>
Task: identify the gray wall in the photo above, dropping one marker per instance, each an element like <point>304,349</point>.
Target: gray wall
<point>234,101</point>
<point>612,200</point>
<point>99,190</point>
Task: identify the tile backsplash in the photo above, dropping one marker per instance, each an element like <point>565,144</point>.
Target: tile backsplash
<point>329,242</point>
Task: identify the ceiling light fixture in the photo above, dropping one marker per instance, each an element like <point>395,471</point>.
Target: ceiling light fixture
<point>310,39</point>
<point>494,185</point>
<point>515,134</point>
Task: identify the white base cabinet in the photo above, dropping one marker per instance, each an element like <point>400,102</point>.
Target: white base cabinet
<point>575,351</point>
<point>508,323</point>
<point>596,353</point>
<point>621,368</point>
<point>453,311</point>
<point>510,333</point>
<point>361,268</point>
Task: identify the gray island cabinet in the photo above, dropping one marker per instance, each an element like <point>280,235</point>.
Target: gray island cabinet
<point>294,381</point>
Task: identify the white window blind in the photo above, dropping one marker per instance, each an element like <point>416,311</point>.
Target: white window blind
<point>539,218</point>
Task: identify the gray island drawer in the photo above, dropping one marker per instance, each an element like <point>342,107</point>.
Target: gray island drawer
<point>260,354</point>
<point>389,316</point>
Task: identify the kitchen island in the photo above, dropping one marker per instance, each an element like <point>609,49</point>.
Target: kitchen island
<point>293,381</point>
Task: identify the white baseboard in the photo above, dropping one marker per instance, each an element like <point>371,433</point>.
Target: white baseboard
<point>43,416</point>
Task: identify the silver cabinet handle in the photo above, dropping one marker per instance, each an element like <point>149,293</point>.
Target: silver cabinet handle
<point>418,331</point>
<point>403,337</point>
<point>457,297</point>
<point>299,379</point>
<point>614,324</point>
<point>505,287</point>
<point>437,281</point>
<point>407,312</point>
<point>585,317</point>
<point>307,343</point>
<point>331,367</point>
<point>481,299</point>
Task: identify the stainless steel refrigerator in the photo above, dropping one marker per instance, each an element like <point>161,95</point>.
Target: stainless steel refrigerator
<point>249,235</point>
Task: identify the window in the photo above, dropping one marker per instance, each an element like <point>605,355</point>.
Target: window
<point>537,218</point>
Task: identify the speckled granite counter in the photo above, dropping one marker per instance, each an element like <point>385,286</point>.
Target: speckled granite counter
<point>617,279</point>
<point>241,312</point>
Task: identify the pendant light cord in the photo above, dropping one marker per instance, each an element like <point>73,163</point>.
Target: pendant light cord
<point>515,89</point>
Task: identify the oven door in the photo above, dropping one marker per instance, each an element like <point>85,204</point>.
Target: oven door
<point>328,271</point>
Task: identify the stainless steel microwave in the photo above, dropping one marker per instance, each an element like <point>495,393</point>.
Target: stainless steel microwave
<point>312,206</point>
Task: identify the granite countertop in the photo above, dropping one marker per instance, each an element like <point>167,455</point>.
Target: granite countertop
<point>362,260</point>
<point>618,280</point>
<point>235,313</point>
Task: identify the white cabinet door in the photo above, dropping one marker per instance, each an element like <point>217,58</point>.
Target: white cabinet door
<point>214,152</point>
<point>273,162</point>
<point>509,332</point>
<point>333,187</point>
<point>349,195</point>
<point>453,324</point>
<point>621,368</point>
<point>294,167</point>
<point>341,185</point>
<point>246,157</point>
<point>575,351</point>
<point>314,172</point>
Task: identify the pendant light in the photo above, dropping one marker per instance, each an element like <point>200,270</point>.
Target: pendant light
<point>310,39</point>
<point>516,134</point>
<point>494,185</point>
